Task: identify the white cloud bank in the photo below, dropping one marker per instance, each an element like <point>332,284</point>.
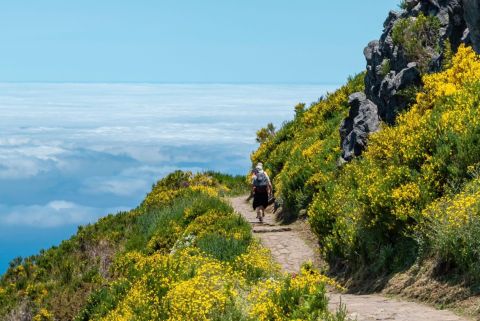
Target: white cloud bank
<point>53,214</point>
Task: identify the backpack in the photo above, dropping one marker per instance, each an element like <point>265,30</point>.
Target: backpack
<point>260,180</point>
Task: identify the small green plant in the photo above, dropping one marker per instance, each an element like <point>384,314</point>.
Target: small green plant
<point>447,55</point>
<point>221,247</point>
<point>403,5</point>
<point>385,67</point>
<point>299,110</point>
<point>419,38</point>
<point>266,133</point>
<point>409,94</point>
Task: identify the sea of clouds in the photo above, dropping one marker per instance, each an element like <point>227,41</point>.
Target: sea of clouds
<point>71,153</point>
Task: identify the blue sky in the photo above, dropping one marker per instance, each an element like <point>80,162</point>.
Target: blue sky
<point>248,41</point>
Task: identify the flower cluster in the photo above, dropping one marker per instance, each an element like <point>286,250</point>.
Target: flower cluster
<point>297,297</point>
<point>200,263</point>
<point>375,207</point>
<point>407,166</point>
<point>304,152</point>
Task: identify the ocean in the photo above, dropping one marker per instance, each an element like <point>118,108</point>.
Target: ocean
<point>71,153</point>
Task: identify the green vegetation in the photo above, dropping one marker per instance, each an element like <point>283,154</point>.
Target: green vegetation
<point>419,38</point>
<point>306,149</point>
<point>413,194</point>
<point>385,67</point>
<point>266,133</point>
<point>403,5</point>
<point>183,254</point>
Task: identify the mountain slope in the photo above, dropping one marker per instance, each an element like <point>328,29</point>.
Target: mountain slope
<point>183,254</point>
<point>410,198</point>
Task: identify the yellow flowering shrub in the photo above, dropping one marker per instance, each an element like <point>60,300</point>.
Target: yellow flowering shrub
<point>256,263</point>
<point>123,266</point>
<point>209,291</point>
<point>197,260</point>
<point>43,315</point>
<point>304,152</point>
<point>377,199</point>
<point>366,213</point>
<point>451,228</point>
<point>265,308</point>
<point>297,297</point>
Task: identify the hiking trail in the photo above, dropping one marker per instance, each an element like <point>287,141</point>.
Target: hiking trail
<point>291,246</point>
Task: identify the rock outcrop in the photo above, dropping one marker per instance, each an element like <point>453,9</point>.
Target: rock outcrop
<point>362,120</point>
<point>381,87</point>
<point>391,72</point>
<point>472,17</point>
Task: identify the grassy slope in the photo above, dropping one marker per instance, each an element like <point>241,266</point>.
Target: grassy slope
<point>413,195</point>
<point>183,254</point>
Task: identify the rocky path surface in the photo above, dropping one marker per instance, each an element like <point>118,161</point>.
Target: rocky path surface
<point>290,248</point>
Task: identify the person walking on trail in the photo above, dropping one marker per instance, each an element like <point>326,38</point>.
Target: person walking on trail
<point>262,187</point>
<point>253,173</point>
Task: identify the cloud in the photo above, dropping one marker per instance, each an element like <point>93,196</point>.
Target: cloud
<point>120,186</point>
<point>129,182</point>
<point>101,145</point>
<point>53,214</point>
<point>24,158</point>
<point>14,141</point>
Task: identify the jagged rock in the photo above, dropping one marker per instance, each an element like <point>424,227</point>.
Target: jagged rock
<point>410,4</point>
<point>466,37</point>
<point>382,88</point>
<point>472,17</point>
<point>392,86</point>
<point>390,71</point>
<point>361,121</point>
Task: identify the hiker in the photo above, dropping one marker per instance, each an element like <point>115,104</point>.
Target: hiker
<point>253,173</point>
<point>262,189</point>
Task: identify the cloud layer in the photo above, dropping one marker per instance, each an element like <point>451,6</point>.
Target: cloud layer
<point>70,153</point>
<point>53,214</point>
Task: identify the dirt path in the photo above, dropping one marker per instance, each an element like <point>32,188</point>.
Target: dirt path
<point>291,248</point>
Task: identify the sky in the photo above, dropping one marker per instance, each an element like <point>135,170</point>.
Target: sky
<point>98,99</point>
<point>180,41</point>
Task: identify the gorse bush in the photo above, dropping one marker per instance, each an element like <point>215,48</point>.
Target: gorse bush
<point>304,152</point>
<point>302,297</point>
<point>182,255</point>
<point>266,133</point>
<point>374,212</point>
<point>379,199</point>
<point>450,231</point>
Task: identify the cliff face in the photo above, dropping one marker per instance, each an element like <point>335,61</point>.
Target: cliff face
<point>472,17</point>
<point>395,68</point>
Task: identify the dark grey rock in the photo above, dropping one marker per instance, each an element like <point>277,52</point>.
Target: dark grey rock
<point>385,89</point>
<point>381,87</point>
<point>410,4</point>
<point>466,37</point>
<point>472,17</point>
<point>361,121</point>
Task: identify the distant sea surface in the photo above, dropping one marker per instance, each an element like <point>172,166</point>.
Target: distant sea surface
<point>71,153</point>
